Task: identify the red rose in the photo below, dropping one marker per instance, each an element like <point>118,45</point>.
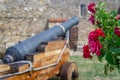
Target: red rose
<point>92,46</point>
<point>100,32</point>
<point>98,47</point>
<point>92,19</point>
<point>86,52</point>
<point>91,7</point>
<point>95,47</point>
<point>93,36</point>
<point>117,17</point>
<point>117,31</point>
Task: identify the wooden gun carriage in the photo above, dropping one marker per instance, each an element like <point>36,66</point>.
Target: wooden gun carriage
<point>50,58</point>
<point>52,61</point>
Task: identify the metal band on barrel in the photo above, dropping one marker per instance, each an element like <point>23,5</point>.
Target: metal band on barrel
<point>62,27</point>
<point>10,57</point>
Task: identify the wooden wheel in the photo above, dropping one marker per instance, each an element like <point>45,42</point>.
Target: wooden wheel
<point>69,71</point>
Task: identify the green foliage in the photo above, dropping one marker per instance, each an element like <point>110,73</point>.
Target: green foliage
<point>110,51</point>
<point>93,69</point>
<point>110,59</point>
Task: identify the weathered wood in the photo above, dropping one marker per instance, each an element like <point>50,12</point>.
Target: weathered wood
<point>50,56</point>
<point>40,59</point>
<point>51,45</point>
<point>18,68</point>
<point>69,71</point>
<point>1,55</point>
<point>4,69</point>
<point>43,74</point>
<point>73,38</point>
<point>45,61</point>
<point>39,56</point>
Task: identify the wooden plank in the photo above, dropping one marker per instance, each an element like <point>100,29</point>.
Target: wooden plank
<point>49,72</point>
<point>18,68</point>
<point>43,74</point>
<point>34,57</point>
<point>49,60</point>
<point>73,37</point>
<point>46,61</point>
<point>52,71</point>
<point>51,45</point>
<point>1,55</point>
<point>4,69</point>
<point>23,68</point>
<point>24,76</point>
<point>40,56</point>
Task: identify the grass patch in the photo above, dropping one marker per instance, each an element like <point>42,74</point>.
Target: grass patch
<point>93,69</point>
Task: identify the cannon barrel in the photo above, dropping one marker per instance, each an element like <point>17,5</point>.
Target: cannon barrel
<point>18,51</point>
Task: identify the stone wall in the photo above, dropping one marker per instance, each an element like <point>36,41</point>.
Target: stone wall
<point>20,19</point>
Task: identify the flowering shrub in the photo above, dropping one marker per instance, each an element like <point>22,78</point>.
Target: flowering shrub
<point>104,41</point>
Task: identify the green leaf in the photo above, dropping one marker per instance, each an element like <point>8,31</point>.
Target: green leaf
<point>111,68</point>
<point>106,67</point>
<point>102,55</point>
<point>110,59</point>
<point>101,4</point>
<point>113,13</point>
<point>114,50</point>
<point>100,58</point>
<point>118,22</point>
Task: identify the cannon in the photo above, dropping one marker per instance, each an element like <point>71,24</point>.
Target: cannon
<point>18,51</point>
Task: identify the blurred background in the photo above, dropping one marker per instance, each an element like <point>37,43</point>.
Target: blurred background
<point>20,19</point>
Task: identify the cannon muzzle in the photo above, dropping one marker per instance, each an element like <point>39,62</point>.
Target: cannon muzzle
<point>18,51</point>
